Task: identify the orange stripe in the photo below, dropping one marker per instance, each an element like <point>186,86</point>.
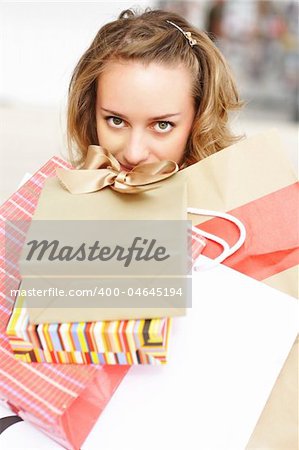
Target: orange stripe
<point>105,335</point>
<point>93,342</point>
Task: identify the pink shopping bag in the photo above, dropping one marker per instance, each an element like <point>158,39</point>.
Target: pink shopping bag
<point>64,401</point>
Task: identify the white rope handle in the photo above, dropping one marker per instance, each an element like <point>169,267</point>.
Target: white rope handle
<point>227,250</point>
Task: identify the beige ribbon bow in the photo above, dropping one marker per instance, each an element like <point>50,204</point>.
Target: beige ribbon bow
<point>101,169</point>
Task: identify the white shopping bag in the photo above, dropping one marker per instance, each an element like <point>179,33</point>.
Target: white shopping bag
<point>225,357</point>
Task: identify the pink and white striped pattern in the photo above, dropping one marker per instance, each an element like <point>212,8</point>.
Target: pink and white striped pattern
<point>44,393</point>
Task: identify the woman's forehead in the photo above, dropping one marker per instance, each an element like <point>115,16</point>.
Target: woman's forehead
<point>158,88</point>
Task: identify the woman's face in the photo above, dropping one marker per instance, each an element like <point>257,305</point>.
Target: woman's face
<point>144,113</point>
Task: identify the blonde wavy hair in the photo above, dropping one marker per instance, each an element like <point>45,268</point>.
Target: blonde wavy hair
<point>148,37</point>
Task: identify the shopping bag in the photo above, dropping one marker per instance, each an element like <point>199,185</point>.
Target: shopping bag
<point>254,181</point>
<point>110,219</point>
<point>62,401</point>
<point>225,356</point>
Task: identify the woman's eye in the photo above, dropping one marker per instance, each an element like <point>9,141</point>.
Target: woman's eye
<point>115,122</point>
<point>163,126</point>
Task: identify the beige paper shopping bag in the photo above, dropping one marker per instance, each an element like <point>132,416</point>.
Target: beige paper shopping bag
<point>165,204</point>
<point>253,180</point>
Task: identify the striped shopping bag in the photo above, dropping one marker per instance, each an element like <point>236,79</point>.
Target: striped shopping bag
<point>64,401</point>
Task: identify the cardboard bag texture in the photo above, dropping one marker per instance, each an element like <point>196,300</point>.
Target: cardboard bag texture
<point>254,180</point>
<point>167,202</point>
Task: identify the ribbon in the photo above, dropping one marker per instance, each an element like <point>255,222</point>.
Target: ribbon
<point>102,169</point>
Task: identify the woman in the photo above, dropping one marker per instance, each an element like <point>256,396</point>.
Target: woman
<point>151,87</point>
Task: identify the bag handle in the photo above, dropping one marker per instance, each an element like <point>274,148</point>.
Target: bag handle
<point>202,262</point>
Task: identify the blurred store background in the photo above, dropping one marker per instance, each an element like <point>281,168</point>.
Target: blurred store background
<point>260,41</point>
<point>42,41</point>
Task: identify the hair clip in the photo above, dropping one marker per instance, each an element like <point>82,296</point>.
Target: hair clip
<point>187,34</point>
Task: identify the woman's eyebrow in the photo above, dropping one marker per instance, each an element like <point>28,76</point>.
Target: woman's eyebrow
<point>164,116</point>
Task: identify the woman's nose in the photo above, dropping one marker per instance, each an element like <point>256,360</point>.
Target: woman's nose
<point>135,151</point>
